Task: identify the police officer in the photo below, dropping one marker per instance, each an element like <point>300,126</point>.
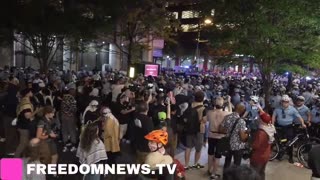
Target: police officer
<point>285,117</point>
<point>315,120</point>
<point>303,110</point>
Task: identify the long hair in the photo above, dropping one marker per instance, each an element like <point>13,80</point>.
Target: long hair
<point>88,136</point>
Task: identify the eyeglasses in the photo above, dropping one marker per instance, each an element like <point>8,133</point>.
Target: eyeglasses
<point>283,114</point>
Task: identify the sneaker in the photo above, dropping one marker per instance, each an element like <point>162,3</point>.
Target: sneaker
<point>187,168</point>
<point>214,176</point>
<point>2,139</point>
<point>65,149</point>
<point>197,166</point>
<point>73,149</point>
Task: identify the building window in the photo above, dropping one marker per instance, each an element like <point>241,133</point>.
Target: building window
<point>189,14</point>
<point>212,12</point>
<point>189,27</point>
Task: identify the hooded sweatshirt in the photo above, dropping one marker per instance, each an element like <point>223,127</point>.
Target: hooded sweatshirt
<point>261,146</point>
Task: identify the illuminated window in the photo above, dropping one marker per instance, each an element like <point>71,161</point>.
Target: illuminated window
<point>189,27</point>
<point>189,14</point>
<point>212,12</point>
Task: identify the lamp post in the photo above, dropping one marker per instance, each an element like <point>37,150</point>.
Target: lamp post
<point>206,21</point>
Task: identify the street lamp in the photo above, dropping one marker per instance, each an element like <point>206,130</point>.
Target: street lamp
<point>207,21</point>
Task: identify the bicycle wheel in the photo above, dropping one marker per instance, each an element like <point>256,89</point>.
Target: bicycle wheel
<point>304,149</point>
<point>275,149</point>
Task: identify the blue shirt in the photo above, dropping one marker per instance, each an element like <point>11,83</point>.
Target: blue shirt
<point>303,111</point>
<point>285,117</point>
<point>315,115</point>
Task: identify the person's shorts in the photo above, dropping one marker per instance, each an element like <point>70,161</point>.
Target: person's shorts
<point>52,148</point>
<point>194,141</point>
<point>212,150</point>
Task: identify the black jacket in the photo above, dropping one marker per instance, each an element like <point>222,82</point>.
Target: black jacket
<point>314,161</point>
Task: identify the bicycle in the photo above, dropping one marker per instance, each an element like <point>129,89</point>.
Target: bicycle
<point>303,141</point>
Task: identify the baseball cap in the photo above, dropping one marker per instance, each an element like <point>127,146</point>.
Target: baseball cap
<point>300,98</point>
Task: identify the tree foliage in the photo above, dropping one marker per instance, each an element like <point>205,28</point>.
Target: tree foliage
<point>277,33</point>
<point>274,32</point>
<point>137,23</point>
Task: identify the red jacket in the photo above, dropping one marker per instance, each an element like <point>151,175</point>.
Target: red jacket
<point>261,149</point>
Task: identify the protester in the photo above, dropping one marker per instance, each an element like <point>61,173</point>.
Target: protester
<point>46,133</point>
<point>111,135</point>
<point>23,125</point>
<point>33,157</point>
<point>122,110</point>
<point>157,140</point>
<point>215,118</point>
<point>91,149</point>
<point>10,103</point>
<point>238,136</point>
<point>135,100</point>
<point>143,126</point>
<point>91,113</point>
<point>195,128</point>
<point>69,109</point>
<point>261,146</point>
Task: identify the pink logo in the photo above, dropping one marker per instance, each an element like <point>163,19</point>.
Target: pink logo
<point>11,169</point>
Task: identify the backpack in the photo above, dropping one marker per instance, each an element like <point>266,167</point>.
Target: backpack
<point>191,120</point>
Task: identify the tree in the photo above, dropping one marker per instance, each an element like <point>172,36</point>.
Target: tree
<point>274,32</point>
<point>44,25</point>
<point>137,23</point>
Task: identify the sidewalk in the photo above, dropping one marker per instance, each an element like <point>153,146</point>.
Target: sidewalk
<point>275,169</point>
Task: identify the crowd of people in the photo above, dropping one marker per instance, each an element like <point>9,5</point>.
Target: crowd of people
<point>92,113</point>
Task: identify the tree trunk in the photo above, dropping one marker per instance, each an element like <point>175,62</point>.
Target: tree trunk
<point>267,85</point>
<point>289,85</point>
<point>129,55</point>
<point>43,66</point>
